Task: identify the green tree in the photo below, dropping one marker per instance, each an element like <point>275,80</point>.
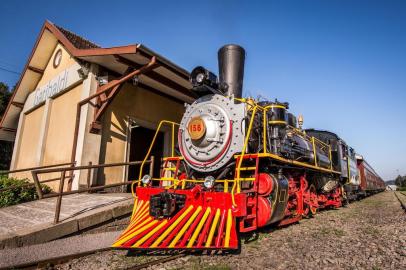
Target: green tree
<point>6,148</point>
<point>5,96</point>
<point>398,181</point>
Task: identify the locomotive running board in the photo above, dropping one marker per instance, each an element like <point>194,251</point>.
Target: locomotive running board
<point>193,227</point>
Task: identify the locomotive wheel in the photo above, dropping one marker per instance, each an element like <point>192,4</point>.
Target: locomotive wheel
<point>344,198</point>
<point>313,200</point>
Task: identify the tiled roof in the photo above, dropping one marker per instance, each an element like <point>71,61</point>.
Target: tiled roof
<point>77,41</point>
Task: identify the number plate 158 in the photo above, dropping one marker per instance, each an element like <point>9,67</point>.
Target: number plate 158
<point>196,128</point>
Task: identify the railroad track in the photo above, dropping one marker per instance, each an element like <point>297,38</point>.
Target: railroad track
<point>63,259</point>
<point>403,205</point>
<point>155,262</point>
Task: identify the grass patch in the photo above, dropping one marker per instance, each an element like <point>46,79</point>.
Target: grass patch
<point>370,230</point>
<point>376,203</point>
<point>195,263</point>
<point>217,267</point>
<point>205,267</point>
<point>327,231</point>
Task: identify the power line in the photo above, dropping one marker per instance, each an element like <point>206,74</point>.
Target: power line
<point>11,71</point>
<point>8,63</point>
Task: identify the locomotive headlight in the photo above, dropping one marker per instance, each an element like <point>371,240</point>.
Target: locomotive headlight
<point>209,182</point>
<point>146,179</point>
<point>200,77</point>
<point>203,77</point>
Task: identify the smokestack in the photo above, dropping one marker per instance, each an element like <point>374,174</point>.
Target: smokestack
<point>231,69</point>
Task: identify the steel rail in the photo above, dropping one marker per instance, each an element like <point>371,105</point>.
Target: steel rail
<point>400,201</point>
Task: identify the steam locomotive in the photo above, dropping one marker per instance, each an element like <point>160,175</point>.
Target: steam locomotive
<point>241,164</point>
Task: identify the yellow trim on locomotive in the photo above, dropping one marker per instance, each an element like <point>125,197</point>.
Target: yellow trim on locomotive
<point>265,118</point>
<point>244,148</point>
<point>348,169</point>
<point>170,229</point>
<point>277,122</point>
<point>228,229</point>
<point>148,235</point>
<point>314,151</point>
<point>185,227</point>
<point>289,161</point>
<point>279,106</point>
<point>213,228</point>
<point>199,227</point>
<point>173,124</point>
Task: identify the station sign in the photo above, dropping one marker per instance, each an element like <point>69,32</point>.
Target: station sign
<point>58,84</point>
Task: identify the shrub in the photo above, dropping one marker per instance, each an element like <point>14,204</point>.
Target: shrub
<point>6,151</point>
<point>20,193</point>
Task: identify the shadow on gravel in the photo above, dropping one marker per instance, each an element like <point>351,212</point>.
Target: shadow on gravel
<point>136,253</point>
<point>247,238</point>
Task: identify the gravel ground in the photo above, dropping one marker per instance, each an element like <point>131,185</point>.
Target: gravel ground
<point>370,234</point>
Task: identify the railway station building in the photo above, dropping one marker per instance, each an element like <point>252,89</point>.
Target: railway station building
<point>113,98</point>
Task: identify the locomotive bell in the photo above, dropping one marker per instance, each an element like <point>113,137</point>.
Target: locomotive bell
<point>300,121</point>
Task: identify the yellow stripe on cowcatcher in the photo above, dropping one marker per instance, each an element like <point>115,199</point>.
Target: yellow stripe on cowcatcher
<point>187,225</point>
<point>170,229</point>
<point>180,231</point>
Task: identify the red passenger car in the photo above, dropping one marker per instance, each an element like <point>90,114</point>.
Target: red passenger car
<point>371,182</point>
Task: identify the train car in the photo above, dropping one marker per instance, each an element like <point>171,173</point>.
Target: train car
<point>344,160</point>
<point>371,182</point>
<point>239,164</point>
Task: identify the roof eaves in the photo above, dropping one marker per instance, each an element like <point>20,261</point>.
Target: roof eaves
<point>182,72</point>
<point>44,27</point>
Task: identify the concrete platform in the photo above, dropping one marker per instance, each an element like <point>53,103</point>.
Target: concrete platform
<point>32,222</point>
<point>24,256</point>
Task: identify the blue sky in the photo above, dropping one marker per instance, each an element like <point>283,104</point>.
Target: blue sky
<point>340,63</point>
